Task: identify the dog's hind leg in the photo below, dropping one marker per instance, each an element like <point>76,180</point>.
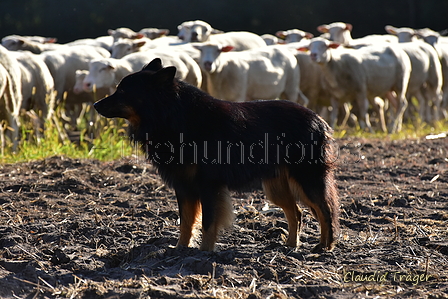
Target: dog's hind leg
<point>277,191</point>
<point>320,195</point>
<point>217,214</point>
<point>189,211</point>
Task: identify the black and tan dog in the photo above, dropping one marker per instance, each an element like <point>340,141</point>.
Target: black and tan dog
<point>203,147</point>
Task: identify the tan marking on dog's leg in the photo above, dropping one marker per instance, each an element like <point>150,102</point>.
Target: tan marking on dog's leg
<point>190,211</point>
<point>294,216</point>
<point>277,191</point>
<point>223,218</point>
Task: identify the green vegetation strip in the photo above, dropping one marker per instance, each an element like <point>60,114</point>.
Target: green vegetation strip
<point>106,139</point>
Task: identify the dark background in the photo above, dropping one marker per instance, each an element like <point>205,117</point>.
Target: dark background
<point>68,20</point>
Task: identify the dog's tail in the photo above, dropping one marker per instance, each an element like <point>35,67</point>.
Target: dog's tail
<point>329,159</point>
<point>315,185</point>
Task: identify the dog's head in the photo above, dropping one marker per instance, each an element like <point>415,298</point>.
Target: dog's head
<point>139,92</point>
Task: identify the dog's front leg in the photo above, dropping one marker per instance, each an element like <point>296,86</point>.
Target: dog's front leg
<point>189,211</point>
<point>217,214</point>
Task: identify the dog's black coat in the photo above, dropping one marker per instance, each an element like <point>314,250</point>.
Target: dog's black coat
<point>200,144</point>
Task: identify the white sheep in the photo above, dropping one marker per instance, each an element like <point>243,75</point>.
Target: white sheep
<point>404,34</point>
<point>153,33</point>
<point>440,44</point>
<point>37,44</point>
<point>311,83</point>
<point>107,72</point>
<point>10,41</point>
<point>185,29</point>
<point>195,54</point>
<point>270,39</point>
<point>123,32</point>
<point>197,31</point>
<point>359,76</point>
<point>241,40</point>
<point>105,42</point>
<point>20,43</point>
<point>293,35</point>
<point>264,73</point>
<point>11,96</point>
<point>90,97</point>
<point>169,40</point>
<point>126,46</point>
<point>9,117</point>
<point>432,37</point>
<point>425,83</point>
<point>426,80</point>
<point>340,32</point>
<point>63,65</point>
<point>194,76</point>
<point>80,75</point>
<point>185,52</point>
<point>78,88</point>
<point>37,87</point>
<point>200,31</point>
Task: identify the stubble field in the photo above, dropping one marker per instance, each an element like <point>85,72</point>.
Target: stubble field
<point>88,229</point>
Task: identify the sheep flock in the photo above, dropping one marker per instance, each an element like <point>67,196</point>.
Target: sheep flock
<point>376,82</point>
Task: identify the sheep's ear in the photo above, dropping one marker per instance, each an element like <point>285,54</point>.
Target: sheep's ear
<point>303,49</point>
<point>139,43</point>
<point>323,28</point>
<point>226,49</point>
<point>333,45</point>
<point>163,32</point>
<point>348,27</point>
<point>110,31</point>
<point>111,65</point>
<point>154,66</point>
<point>50,40</point>
<point>309,35</point>
<point>165,76</point>
<point>281,34</point>
<point>390,29</point>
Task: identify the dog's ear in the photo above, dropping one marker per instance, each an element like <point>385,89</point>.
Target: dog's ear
<point>165,76</point>
<point>154,66</point>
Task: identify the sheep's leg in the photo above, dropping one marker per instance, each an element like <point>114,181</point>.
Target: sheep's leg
<point>379,105</point>
<point>2,138</point>
<point>364,118</point>
<point>334,112</point>
<point>423,106</point>
<point>346,115</point>
<point>444,104</point>
<point>303,100</point>
<point>435,98</point>
<point>398,119</point>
